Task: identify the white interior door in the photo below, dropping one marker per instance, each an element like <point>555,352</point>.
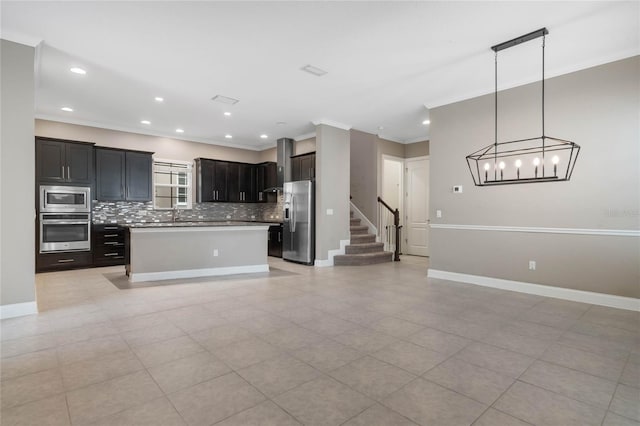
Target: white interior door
<point>392,182</point>
<point>416,228</point>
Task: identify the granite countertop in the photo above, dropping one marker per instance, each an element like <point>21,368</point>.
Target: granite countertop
<point>180,224</point>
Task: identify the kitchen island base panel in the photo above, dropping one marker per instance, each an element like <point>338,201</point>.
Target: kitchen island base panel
<point>157,253</point>
<point>197,273</point>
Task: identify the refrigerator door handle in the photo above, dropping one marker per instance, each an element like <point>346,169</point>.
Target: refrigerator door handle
<point>293,213</point>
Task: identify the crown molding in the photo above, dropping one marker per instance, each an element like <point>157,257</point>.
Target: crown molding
<point>20,38</point>
<point>145,132</point>
<point>305,136</point>
<point>332,124</point>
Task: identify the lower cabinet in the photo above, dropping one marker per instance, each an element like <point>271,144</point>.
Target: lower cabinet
<point>275,241</point>
<point>107,242</point>
<point>61,261</point>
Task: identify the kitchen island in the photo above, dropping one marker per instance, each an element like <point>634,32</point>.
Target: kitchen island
<point>169,250</point>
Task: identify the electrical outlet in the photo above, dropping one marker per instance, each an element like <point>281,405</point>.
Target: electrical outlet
<point>228,216</point>
<point>329,212</point>
<point>215,252</point>
<point>532,265</point>
<point>439,213</point>
<point>253,217</point>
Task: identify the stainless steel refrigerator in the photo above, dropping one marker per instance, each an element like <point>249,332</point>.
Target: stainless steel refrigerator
<point>298,238</point>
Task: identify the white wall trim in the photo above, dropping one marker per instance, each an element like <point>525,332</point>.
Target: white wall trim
<point>331,123</point>
<point>541,230</point>
<point>18,309</point>
<point>20,38</point>
<point>331,254</point>
<point>601,299</point>
<point>305,136</point>
<point>195,273</point>
<point>359,215</point>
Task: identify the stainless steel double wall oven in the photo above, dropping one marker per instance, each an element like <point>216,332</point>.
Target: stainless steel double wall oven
<point>64,218</point>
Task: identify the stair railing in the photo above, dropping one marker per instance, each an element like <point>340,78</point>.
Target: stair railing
<point>389,228</point>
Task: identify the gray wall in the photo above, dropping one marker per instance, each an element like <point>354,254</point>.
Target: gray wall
<point>596,108</point>
<point>332,188</point>
<point>304,146</point>
<point>364,188</point>
<point>167,148</point>
<point>416,149</point>
<point>17,176</point>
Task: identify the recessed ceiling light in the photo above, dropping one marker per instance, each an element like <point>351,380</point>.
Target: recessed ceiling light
<point>425,122</point>
<point>227,114</point>
<point>159,99</point>
<point>228,136</point>
<point>225,100</point>
<point>380,128</point>
<point>67,109</point>
<point>78,70</point>
<point>179,130</point>
<point>281,123</point>
<point>145,122</point>
<point>263,136</point>
<point>313,70</point>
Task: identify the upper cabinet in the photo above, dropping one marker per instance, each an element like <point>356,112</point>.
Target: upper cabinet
<point>65,162</point>
<point>123,175</point>
<point>211,180</point>
<point>232,181</point>
<point>266,178</point>
<point>303,167</point>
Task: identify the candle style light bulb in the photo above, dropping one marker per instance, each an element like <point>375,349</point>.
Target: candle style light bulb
<point>502,166</point>
<point>518,164</point>
<point>555,160</point>
<point>486,171</point>
<point>536,162</point>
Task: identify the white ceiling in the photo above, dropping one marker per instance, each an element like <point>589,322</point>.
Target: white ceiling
<point>386,61</point>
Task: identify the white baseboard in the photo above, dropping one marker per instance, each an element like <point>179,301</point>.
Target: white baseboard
<point>612,301</point>
<point>196,273</point>
<point>18,309</point>
<point>331,254</point>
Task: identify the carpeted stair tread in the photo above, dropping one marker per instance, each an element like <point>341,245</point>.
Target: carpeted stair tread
<point>362,238</point>
<point>364,248</point>
<point>362,258</point>
<point>359,229</point>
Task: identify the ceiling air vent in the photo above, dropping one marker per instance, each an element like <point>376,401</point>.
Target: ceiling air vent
<point>224,100</point>
<point>313,70</point>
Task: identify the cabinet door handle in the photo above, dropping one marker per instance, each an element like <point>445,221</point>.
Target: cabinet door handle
<point>110,235</point>
<point>279,236</point>
<point>111,243</point>
<point>66,260</point>
<point>111,254</point>
<point>68,172</point>
<point>110,228</point>
<point>62,172</point>
<point>268,236</point>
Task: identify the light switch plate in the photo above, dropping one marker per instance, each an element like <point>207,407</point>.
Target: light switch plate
<point>438,213</point>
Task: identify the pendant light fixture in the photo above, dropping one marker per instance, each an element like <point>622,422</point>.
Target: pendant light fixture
<point>531,160</point>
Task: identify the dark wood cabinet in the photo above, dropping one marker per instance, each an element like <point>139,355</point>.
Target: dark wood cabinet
<point>211,180</point>
<point>139,179</point>
<point>107,242</point>
<point>110,174</point>
<point>266,177</point>
<point>303,167</point>
<point>274,245</point>
<point>123,175</point>
<point>64,162</point>
<point>241,182</point>
<point>62,261</point>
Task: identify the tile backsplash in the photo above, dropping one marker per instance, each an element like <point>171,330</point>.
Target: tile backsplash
<point>133,212</point>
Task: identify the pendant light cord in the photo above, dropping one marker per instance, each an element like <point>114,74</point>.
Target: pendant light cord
<point>495,147</point>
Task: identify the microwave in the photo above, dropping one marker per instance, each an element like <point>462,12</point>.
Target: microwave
<point>65,199</point>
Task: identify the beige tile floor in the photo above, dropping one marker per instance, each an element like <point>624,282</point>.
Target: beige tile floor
<point>371,345</point>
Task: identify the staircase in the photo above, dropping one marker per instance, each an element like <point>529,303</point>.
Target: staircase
<point>363,250</point>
